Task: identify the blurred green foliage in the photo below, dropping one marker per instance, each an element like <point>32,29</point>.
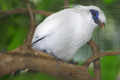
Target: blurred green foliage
<point>14,28</point>
<point>29,76</point>
<point>110,67</point>
<point>109,1</point>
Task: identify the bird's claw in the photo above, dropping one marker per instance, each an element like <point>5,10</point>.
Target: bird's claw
<point>55,57</point>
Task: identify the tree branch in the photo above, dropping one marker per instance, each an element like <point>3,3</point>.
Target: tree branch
<point>106,53</point>
<point>38,61</point>
<point>25,11</point>
<point>95,50</point>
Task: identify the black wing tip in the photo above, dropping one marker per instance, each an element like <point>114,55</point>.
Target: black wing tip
<point>38,40</point>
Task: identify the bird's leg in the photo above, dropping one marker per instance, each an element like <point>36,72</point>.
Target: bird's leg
<point>55,57</point>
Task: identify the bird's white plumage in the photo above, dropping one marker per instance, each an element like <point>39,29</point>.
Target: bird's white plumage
<point>66,31</point>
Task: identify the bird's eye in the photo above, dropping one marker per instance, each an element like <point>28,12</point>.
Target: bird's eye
<point>94,14</point>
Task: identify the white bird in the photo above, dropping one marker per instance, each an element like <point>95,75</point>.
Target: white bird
<point>63,33</point>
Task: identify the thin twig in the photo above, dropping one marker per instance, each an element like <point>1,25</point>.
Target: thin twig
<point>25,11</point>
<point>66,3</point>
<point>105,53</point>
<point>32,25</point>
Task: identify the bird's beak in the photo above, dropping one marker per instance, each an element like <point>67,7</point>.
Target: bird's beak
<point>102,25</point>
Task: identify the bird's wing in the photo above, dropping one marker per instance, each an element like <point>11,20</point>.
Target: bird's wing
<point>50,25</point>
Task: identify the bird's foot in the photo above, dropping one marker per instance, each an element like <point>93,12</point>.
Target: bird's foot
<point>55,57</point>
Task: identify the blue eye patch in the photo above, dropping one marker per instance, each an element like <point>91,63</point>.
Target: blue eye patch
<point>95,15</point>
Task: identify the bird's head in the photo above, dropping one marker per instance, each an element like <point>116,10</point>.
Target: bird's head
<point>94,15</point>
<point>98,16</point>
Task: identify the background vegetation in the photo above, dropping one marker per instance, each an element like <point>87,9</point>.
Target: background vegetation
<point>14,28</point>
